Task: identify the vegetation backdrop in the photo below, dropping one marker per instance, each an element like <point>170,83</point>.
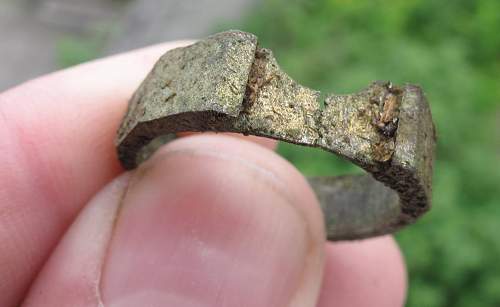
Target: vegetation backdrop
<point>450,48</point>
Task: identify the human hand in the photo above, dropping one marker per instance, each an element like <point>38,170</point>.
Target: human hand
<point>210,220</point>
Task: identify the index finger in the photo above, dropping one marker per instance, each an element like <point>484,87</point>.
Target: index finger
<point>56,144</point>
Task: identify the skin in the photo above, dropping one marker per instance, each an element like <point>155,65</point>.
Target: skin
<point>210,220</point>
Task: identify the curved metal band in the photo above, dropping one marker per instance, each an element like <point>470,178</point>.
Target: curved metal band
<point>226,83</point>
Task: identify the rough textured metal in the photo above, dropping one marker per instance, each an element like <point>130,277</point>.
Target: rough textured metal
<point>227,83</point>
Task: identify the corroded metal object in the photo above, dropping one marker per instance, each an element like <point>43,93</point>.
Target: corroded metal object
<point>227,83</point>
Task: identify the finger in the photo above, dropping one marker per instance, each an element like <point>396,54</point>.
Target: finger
<point>208,221</point>
<point>56,144</point>
<point>71,275</point>
<point>266,142</point>
<point>364,273</point>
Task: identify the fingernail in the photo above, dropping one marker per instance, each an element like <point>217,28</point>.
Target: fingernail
<point>199,229</point>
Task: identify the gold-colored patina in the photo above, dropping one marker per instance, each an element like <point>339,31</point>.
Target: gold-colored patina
<point>227,83</point>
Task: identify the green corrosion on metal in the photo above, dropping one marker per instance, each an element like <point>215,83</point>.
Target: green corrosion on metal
<point>227,83</point>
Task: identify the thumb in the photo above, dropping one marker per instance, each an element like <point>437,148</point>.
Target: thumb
<point>208,221</point>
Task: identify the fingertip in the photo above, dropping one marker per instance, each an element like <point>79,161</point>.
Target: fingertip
<point>56,140</point>
<point>71,275</point>
<point>265,142</point>
<point>225,213</point>
<point>369,272</point>
<point>203,221</point>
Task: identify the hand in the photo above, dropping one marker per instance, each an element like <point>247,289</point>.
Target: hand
<point>210,220</point>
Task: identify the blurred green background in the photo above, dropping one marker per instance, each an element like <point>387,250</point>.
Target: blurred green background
<point>450,48</point>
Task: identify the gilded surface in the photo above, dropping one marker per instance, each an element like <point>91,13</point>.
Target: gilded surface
<point>228,83</point>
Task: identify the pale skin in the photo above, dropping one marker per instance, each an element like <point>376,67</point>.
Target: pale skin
<point>210,220</point>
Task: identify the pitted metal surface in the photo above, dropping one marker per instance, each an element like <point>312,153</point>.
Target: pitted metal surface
<point>227,83</point>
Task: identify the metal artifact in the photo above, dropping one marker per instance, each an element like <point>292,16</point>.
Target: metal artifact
<point>227,83</point>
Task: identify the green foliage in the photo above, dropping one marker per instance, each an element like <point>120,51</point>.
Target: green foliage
<point>72,50</point>
<point>452,49</point>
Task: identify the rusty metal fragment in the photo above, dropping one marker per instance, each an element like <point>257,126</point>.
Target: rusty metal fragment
<point>227,83</point>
